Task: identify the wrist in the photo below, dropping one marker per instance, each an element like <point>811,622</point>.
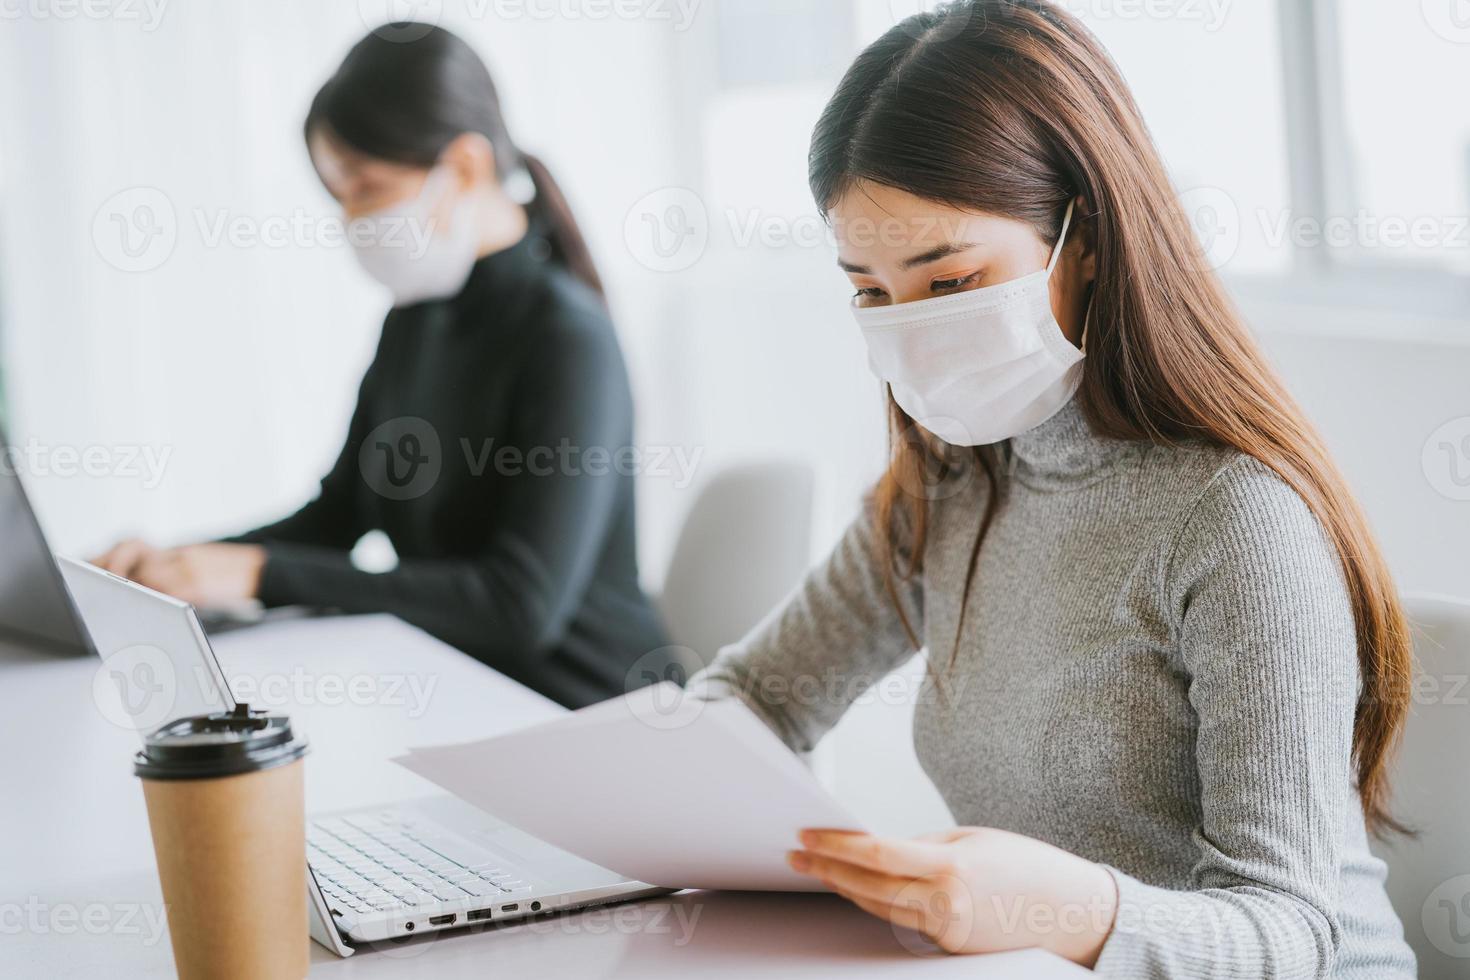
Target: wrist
<point>254,569</point>
<point>1085,917</point>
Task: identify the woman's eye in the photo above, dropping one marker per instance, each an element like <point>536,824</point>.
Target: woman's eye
<point>867,292</point>
<point>946,285</point>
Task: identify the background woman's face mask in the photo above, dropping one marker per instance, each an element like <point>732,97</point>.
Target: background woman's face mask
<point>418,248</point>
<point>980,366</point>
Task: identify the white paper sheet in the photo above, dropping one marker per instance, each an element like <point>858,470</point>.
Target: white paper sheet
<point>656,786</point>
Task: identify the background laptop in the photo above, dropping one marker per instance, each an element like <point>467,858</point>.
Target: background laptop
<point>35,611</point>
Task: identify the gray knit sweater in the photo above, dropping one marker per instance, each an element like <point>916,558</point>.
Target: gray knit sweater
<point>1157,672</point>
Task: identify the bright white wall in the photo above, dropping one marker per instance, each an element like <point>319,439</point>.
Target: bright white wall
<point>1387,406</point>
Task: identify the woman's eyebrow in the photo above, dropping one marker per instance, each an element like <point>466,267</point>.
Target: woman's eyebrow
<point>937,253</point>
<point>923,258</point>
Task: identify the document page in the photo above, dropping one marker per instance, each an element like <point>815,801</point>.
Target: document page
<point>657,786</point>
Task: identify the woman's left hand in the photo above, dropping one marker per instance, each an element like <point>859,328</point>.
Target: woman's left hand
<point>204,574</point>
<point>970,889</point>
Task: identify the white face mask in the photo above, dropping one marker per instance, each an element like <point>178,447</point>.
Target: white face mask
<point>417,256</point>
<point>980,366</point>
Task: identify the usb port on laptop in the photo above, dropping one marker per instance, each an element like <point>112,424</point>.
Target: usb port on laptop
<point>477,915</point>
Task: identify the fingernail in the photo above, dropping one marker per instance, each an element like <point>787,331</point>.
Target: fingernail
<point>798,860</point>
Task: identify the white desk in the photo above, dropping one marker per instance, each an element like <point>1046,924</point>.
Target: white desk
<point>79,896</point>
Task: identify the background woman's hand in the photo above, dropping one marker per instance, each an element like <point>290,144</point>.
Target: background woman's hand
<point>970,889</point>
<point>204,574</point>
<point>124,557</point>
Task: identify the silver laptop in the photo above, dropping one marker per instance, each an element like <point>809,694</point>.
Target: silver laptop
<point>405,869</point>
<point>36,614</point>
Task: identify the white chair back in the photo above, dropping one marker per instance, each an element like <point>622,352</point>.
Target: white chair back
<point>1429,874</point>
<point>744,545</point>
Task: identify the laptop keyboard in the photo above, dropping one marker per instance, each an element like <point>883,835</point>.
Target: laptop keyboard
<point>369,865</point>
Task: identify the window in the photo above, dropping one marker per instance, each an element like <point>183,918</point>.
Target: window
<point>1326,138</point>
<point>1405,73</point>
<point>1207,77</point>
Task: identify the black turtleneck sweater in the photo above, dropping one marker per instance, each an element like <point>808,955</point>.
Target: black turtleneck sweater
<point>492,443</point>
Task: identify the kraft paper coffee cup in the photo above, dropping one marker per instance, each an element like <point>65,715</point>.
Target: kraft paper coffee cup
<point>226,810</point>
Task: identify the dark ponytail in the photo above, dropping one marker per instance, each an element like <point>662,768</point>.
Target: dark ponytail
<point>406,100</point>
<point>550,207</point>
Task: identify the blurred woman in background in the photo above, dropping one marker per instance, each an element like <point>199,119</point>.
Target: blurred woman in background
<point>485,425</point>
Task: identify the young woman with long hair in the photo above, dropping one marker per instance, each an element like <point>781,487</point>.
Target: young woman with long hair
<point>1166,662</point>
<point>483,427</point>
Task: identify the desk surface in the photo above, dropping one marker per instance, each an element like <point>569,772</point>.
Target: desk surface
<point>79,896</point>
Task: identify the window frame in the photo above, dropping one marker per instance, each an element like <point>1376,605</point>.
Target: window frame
<point>1321,184</point>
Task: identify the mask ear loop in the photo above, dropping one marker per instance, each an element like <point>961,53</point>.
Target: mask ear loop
<point>1087,318</point>
<point>1056,250</point>
<point>1056,255</point>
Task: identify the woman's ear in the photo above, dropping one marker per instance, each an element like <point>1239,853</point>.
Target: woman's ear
<point>471,158</point>
<point>1086,240</point>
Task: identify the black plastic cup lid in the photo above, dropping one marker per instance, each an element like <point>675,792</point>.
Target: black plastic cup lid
<point>225,744</point>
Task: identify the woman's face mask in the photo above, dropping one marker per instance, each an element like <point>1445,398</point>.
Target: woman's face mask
<point>956,310</point>
<point>417,234</point>
<point>422,248</point>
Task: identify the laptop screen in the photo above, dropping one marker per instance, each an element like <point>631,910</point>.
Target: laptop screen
<point>34,607</point>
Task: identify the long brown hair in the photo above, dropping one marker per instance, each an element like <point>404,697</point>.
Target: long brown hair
<point>1012,107</point>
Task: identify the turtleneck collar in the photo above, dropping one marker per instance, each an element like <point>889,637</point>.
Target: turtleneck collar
<point>1064,452</point>
<point>509,269</point>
